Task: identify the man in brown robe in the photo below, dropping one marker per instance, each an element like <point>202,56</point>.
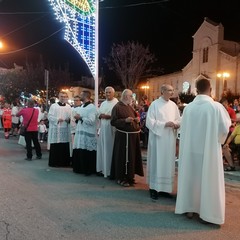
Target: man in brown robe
<point>127,159</point>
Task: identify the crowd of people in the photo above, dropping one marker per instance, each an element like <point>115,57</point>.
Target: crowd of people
<point>107,141</point>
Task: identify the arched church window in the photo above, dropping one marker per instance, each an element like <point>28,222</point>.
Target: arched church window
<point>205,54</point>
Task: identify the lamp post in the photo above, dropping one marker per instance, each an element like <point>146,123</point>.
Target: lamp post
<point>223,76</point>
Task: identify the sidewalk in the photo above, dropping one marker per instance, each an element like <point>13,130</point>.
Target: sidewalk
<point>234,175</point>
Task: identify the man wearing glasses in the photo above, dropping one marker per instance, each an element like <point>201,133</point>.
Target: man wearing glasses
<point>163,119</point>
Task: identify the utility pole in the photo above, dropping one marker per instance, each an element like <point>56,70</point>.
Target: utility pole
<point>46,80</point>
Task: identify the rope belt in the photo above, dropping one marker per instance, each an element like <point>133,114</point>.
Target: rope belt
<point>127,133</point>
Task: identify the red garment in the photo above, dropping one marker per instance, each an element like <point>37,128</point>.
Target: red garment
<point>232,113</point>
<point>233,116</point>
<point>7,118</point>
<point>26,113</point>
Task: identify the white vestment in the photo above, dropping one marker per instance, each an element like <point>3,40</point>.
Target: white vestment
<point>15,119</point>
<point>86,130</point>
<point>59,132</point>
<point>73,123</point>
<point>106,139</point>
<point>161,144</point>
<point>205,125</point>
<point>73,120</point>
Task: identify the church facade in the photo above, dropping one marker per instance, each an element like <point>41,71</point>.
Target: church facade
<point>213,58</point>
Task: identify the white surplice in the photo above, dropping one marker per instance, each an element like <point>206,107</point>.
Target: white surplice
<point>86,130</point>
<point>105,139</point>
<point>161,144</point>
<point>205,125</point>
<point>59,132</point>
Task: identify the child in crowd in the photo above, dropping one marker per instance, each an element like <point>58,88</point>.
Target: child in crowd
<point>42,129</point>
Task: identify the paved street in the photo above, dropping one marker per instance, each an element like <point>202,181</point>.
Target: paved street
<point>42,203</point>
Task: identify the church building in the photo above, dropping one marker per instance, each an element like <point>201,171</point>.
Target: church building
<point>213,58</point>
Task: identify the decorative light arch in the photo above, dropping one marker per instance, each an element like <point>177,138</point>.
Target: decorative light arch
<point>81,30</point>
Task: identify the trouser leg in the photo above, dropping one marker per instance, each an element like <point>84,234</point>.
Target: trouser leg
<point>28,144</point>
<point>36,144</point>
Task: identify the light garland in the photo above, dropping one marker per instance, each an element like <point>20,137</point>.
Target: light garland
<point>79,19</point>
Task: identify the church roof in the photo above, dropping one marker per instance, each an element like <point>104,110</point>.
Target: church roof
<point>211,22</point>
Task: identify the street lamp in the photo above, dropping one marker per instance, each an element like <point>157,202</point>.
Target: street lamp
<point>145,88</point>
<point>223,76</point>
<point>1,44</point>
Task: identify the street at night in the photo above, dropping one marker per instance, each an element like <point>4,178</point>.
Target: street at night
<point>38,203</point>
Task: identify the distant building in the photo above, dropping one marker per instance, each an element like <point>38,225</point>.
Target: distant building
<point>213,58</point>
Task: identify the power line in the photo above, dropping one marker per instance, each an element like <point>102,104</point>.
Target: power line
<point>21,13</point>
<point>16,29</point>
<point>34,44</point>
<point>136,4</point>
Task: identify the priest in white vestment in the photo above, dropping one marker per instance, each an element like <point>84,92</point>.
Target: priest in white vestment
<point>163,120</point>
<point>59,135</point>
<point>204,127</point>
<point>77,103</point>
<point>106,134</point>
<point>85,139</point>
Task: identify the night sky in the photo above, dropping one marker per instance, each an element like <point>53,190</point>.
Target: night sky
<point>165,26</point>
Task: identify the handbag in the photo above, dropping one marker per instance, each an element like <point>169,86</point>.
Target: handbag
<point>23,129</point>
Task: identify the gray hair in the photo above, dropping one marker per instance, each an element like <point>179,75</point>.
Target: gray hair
<point>124,93</point>
<point>164,87</point>
<point>111,88</point>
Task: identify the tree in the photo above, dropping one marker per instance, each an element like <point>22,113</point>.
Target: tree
<point>12,84</point>
<point>130,62</point>
<point>30,80</point>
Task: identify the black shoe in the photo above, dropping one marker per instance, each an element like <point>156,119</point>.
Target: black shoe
<point>153,194</point>
<point>28,159</point>
<point>189,215</point>
<point>39,157</point>
<point>209,223</point>
<point>165,194</point>
<point>229,169</point>
<point>100,174</point>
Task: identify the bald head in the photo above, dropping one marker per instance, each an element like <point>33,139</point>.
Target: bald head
<point>165,87</point>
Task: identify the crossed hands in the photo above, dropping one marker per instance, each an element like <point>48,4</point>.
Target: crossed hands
<point>77,116</point>
<point>131,120</point>
<point>62,120</point>
<point>172,125</point>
